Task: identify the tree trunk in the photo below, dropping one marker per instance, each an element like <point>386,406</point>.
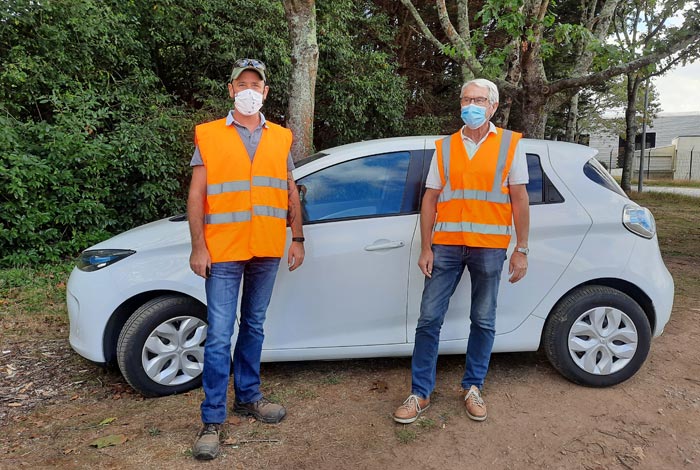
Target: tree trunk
<point>572,120</point>
<point>301,20</point>
<point>633,82</point>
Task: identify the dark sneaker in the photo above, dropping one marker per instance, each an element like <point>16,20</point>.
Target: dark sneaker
<point>207,445</point>
<point>411,409</point>
<point>262,410</point>
<point>476,408</point>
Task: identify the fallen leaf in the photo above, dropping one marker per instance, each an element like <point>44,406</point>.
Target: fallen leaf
<point>231,441</point>
<point>251,420</point>
<point>234,420</point>
<point>74,397</point>
<point>380,386</point>
<point>14,405</point>
<point>111,440</point>
<point>69,451</point>
<point>106,421</point>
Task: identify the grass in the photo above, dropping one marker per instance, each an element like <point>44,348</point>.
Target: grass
<point>406,435</point>
<point>668,182</point>
<point>34,299</point>
<point>284,394</point>
<point>677,222</point>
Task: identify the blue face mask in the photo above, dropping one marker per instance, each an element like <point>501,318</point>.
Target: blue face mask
<point>473,116</point>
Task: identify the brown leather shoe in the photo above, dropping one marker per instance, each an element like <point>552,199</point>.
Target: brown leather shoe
<point>262,410</point>
<point>206,447</point>
<point>476,408</point>
<point>411,409</point>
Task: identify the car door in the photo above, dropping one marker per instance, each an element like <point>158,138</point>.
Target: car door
<point>360,217</point>
<point>558,225</point>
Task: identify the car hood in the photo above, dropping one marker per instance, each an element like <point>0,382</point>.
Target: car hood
<point>158,234</point>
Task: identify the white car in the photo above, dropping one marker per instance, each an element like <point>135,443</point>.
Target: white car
<point>595,293</point>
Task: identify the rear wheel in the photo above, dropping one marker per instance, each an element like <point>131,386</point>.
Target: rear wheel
<point>160,350</point>
<point>597,336</point>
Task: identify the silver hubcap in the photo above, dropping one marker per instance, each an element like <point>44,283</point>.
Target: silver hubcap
<point>603,340</point>
<point>174,352</point>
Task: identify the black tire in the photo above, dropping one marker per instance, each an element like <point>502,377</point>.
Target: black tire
<point>179,314</point>
<point>580,307</point>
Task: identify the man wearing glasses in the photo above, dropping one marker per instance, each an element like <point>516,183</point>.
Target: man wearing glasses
<point>475,189</point>
<point>241,197</point>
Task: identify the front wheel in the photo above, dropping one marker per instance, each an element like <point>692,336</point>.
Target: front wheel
<point>160,350</point>
<point>597,336</point>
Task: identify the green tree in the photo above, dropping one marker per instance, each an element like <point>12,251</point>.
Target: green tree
<point>87,133</point>
<point>531,33</point>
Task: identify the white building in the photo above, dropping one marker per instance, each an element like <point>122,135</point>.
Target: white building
<point>661,133</point>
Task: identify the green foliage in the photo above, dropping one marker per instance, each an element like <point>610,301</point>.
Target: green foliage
<point>359,94</point>
<point>89,141</point>
<point>98,100</point>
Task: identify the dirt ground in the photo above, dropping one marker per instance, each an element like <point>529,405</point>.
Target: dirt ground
<point>52,403</point>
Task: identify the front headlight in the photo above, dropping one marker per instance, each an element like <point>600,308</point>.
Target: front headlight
<point>639,220</point>
<point>92,260</point>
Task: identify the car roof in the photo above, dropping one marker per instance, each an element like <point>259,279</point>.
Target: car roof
<point>573,152</point>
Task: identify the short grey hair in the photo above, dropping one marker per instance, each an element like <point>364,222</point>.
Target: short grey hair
<point>483,83</point>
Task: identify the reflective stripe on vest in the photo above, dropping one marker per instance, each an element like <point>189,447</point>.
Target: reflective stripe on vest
<point>473,227</point>
<point>270,182</point>
<point>495,195</point>
<point>244,216</point>
<point>244,185</point>
<point>227,217</point>
<point>228,187</point>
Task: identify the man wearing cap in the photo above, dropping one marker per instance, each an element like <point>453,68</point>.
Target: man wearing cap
<point>474,191</point>
<point>242,195</point>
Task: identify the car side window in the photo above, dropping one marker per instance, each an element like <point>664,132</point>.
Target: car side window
<point>364,187</point>
<point>535,188</point>
<point>540,189</point>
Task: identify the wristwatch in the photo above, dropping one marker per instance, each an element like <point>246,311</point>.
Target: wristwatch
<point>522,250</point>
<point>298,239</point>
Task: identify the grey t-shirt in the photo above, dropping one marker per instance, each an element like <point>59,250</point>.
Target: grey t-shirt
<point>250,140</point>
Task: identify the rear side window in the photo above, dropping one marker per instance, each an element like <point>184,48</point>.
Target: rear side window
<point>540,189</point>
<point>599,175</point>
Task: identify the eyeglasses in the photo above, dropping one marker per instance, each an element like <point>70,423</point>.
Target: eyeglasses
<point>480,100</point>
<point>240,63</point>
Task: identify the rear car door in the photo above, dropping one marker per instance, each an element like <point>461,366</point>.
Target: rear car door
<point>558,225</point>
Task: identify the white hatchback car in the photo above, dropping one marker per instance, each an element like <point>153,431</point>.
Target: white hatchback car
<point>596,290</point>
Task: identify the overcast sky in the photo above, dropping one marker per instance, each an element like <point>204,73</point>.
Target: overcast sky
<point>679,89</point>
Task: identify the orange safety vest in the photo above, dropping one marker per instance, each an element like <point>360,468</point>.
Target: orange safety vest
<point>246,204</point>
<point>474,207</point>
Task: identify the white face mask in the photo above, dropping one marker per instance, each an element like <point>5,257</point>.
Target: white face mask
<point>248,102</point>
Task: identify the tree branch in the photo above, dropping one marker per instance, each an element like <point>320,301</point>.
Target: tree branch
<point>421,24</point>
<point>599,77</point>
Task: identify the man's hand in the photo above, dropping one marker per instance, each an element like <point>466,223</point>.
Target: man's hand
<point>517,267</point>
<point>200,262</point>
<point>295,255</point>
<point>425,262</point>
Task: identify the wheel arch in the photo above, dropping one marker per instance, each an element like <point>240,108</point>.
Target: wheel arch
<point>121,315</point>
<point>626,287</point>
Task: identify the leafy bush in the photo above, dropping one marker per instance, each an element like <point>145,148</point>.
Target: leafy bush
<point>90,143</point>
<point>99,98</point>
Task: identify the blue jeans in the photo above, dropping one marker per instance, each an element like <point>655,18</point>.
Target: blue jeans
<point>485,266</point>
<point>258,275</point>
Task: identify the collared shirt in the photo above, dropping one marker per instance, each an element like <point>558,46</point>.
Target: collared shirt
<point>518,169</point>
<point>250,140</point>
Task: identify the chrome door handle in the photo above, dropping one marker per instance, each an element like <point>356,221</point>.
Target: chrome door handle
<point>384,245</point>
